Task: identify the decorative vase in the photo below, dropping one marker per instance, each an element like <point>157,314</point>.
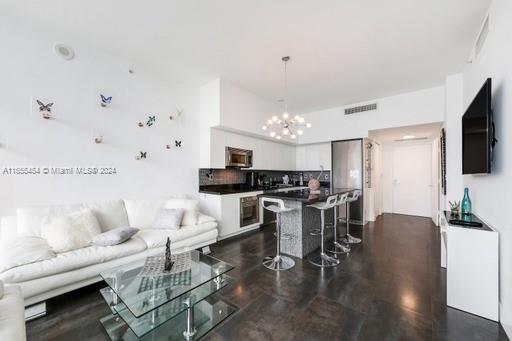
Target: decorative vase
<point>314,184</point>
<point>466,203</point>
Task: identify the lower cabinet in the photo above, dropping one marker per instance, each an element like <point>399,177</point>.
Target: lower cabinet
<point>226,209</point>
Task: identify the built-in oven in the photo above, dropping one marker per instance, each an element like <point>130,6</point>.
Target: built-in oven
<point>236,157</point>
<point>249,211</point>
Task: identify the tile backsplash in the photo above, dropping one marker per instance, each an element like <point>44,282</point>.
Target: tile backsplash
<point>228,176</point>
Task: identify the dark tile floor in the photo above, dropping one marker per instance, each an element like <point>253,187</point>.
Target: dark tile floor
<point>389,288</point>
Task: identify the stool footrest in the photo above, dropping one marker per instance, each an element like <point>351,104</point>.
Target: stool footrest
<point>315,232</point>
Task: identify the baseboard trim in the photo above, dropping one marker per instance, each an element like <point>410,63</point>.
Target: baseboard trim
<point>508,330</point>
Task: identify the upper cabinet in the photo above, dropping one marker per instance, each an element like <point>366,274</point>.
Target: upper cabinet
<point>267,155</point>
<point>233,117</point>
<point>313,156</point>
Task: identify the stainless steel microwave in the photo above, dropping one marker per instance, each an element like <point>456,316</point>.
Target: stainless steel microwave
<point>236,157</point>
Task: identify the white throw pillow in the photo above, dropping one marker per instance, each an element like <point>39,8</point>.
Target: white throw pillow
<point>70,232</point>
<point>30,219</point>
<point>191,207</point>
<point>114,237</point>
<point>142,212</point>
<point>168,218</point>
<point>110,214</point>
<point>24,250</point>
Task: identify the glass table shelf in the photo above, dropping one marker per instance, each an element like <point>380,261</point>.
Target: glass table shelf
<point>142,294</point>
<point>208,313</point>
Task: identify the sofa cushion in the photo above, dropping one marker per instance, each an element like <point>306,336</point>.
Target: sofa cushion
<point>115,236</point>
<point>157,238</point>
<point>70,231</point>
<point>142,212</point>
<point>12,315</point>
<point>24,250</point>
<point>168,218</point>
<point>110,214</point>
<point>191,207</point>
<point>71,260</point>
<point>29,219</point>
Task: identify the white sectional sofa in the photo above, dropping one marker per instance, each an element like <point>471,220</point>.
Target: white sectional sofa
<point>12,314</point>
<point>70,270</point>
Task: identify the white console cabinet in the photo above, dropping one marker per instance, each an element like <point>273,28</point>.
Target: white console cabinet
<point>472,269</point>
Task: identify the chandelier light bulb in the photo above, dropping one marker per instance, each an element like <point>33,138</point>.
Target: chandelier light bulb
<point>272,133</point>
<point>264,127</point>
<point>308,125</point>
<point>278,137</point>
<point>301,119</point>
<point>286,115</point>
<point>285,132</point>
<point>297,117</point>
<point>274,118</point>
<point>300,132</point>
<point>270,122</point>
<point>293,136</point>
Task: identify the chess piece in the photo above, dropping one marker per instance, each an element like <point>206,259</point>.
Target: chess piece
<point>168,263</point>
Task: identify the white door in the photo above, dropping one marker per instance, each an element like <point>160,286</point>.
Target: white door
<point>412,179</point>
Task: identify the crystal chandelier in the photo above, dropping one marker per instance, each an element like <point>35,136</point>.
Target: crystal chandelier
<point>286,125</point>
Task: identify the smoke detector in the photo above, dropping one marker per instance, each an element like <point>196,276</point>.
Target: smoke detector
<point>64,51</point>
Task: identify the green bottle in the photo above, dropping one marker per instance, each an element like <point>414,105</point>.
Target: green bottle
<point>465,206</point>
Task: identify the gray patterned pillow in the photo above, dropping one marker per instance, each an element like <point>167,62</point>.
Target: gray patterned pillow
<point>168,218</point>
<point>115,236</point>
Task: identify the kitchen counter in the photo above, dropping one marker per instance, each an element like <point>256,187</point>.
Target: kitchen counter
<point>305,195</point>
<point>241,188</point>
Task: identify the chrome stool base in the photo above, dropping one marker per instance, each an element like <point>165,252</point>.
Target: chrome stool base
<point>278,263</point>
<point>322,260</point>
<point>336,247</point>
<point>349,239</point>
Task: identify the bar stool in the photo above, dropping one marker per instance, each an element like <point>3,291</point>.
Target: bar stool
<point>349,239</point>
<point>337,247</point>
<point>277,262</point>
<point>322,259</point>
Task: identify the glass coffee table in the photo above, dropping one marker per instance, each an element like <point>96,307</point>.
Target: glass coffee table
<point>166,306</point>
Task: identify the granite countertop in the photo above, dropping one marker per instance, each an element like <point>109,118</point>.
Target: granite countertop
<point>305,195</point>
<point>239,188</point>
<point>471,217</point>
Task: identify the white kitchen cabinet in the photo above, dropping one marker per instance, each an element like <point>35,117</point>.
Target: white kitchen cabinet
<point>226,210</point>
<point>267,155</point>
<point>312,156</point>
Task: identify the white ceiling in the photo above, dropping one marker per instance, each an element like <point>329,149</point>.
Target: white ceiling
<point>342,51</point>
<point>419,131</point>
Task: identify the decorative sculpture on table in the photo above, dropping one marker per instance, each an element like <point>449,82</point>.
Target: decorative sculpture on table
<point>168,262</point>
<point>455,208</point>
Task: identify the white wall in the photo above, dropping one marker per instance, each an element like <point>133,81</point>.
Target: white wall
<point>29,68</point>
<point>453,128</point>
<point>490,194</point>
<point>419,107</point>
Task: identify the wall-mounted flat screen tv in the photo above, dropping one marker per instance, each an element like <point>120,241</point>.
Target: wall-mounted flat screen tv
<point>478,133</point>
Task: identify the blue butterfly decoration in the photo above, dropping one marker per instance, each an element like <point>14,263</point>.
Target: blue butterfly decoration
<point>105,100</point>
<point>151,120</point>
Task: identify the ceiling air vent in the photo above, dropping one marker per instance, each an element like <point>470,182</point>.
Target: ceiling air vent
<point>482,37</point>
<point>361,108</point>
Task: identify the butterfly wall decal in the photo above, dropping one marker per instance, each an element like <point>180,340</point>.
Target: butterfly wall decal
<point>177,114</point>
<point>142,155</point>
<point>177,143</point>
<point>45,109</point>
<point>105,101</point>
<point>151,120</point>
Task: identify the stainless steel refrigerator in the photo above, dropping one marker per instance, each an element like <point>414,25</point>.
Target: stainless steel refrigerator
<point>348,172</point>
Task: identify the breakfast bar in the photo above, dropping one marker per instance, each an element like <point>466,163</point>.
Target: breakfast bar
<point>297,224</point>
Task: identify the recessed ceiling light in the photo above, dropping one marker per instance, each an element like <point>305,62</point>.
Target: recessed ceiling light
<point>64,51</point>
<point>408,137</point>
